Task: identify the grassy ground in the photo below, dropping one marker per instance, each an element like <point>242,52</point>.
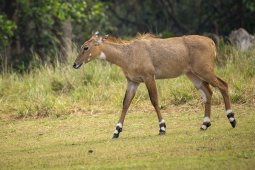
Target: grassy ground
<point>51,118</point>
<point>65,142</point>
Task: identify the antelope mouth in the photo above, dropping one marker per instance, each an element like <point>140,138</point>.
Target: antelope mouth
<point>77,66</point>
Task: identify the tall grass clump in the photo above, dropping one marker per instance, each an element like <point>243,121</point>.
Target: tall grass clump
<point>47,90</point>
<point>238,69</point>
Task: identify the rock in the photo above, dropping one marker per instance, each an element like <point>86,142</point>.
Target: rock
<point>241,39</point>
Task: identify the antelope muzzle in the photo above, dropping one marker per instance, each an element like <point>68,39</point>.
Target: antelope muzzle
<point>77,66</point>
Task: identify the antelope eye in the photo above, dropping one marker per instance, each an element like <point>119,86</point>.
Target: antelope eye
<point>86,48</point>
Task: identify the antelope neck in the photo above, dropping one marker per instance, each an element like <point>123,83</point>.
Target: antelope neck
<point>116,53</point>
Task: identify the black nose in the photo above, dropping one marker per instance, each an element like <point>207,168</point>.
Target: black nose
<point>74,65</point>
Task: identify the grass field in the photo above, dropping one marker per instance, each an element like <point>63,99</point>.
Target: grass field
<point>65,142</point>
<point>51,118</point>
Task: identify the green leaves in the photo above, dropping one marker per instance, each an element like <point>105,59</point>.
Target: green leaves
<point>250,5</point>
<point>46,10</point>
<point>6,28</point>
<point>38,27</point>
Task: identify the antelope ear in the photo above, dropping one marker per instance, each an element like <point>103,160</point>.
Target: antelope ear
<point>99,40</point>
<point>104,38</point>
<point>96,34</point>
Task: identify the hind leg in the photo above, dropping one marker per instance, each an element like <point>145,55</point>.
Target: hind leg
<point>223,87</point>
<point>210,77</point>
<point>206,92</point>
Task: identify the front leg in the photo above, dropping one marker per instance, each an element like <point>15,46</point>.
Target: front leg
<point>151,86</point>
<point>130,93</point>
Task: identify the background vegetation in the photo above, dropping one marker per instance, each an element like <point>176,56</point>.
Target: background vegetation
<point>45,29</point>
<point>59,90</point>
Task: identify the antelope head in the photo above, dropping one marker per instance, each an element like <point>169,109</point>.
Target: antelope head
<point>90,50</point>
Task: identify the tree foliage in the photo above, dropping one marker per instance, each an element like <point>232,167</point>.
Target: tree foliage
<point>45,28</point>
<point>37,27</point>
<point>7,28</point>
<point>181,16</point>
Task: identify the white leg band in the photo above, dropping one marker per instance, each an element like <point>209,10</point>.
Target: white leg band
<point>207,119</point>
<point>228,111</point>
<point>120,125</point>
<point>163,128</point>
<point>162,121</point>
<point>231,119</point>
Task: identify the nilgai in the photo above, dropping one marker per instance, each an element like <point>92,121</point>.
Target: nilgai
<point>147,58</point>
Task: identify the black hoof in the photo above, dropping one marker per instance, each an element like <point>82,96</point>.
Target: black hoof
<point>230,117</point>
<point>205,126</point>
<point>162,129</point>
<point>233,123</point>
<point>115,136</point>
<point>162,133</point>
<point>117,132</point>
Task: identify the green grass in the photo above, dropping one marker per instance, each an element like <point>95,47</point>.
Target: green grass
<point>64,143</point>
<point>51,117</point>
<point>44,92</point>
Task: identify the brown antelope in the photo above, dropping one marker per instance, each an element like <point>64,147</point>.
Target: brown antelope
<point>147,58</point>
